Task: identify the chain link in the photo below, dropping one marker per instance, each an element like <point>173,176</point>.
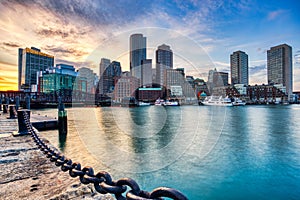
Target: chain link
<point>102,181</point>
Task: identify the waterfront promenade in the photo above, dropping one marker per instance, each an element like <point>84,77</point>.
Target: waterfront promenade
<point>27,174</point>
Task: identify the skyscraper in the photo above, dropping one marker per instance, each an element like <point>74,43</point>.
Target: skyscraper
<point>31,61</point>
<point>110,76</point>
<point>239,68</point>
<point>137,54</point>
<point>104,63</point>
<point>280,68</point>
<point>164,60</point>
<point>146,73</point>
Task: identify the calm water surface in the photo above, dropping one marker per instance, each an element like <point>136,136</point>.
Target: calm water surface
<point>250,152</point>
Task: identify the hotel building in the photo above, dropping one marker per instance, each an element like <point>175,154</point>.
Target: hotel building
<point>239,68</point>
<point>30,62</point>
<point>280,67</point>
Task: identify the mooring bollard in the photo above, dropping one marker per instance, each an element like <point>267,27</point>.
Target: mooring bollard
<point>62,119</point>
<point>23,130</point>
<point>12,112</point>
<point>17,99</point>
<point>7,100</point>
<point>27,102</point>
<point>4,108</point>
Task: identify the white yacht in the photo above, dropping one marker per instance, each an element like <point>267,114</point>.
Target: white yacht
<point>159,102</point>
<point>141,103</point>
<point>238,102</point>
<point>217,101</point>
<point>171,103</point>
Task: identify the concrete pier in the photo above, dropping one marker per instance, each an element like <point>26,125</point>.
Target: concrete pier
<point>26,173</point>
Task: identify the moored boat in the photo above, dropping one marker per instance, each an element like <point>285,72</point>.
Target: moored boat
<point>159,102</point>
<point>217,101</point>
<point>238,102</point>
<point>141,103</point>
<point>171,103</point>
<point>162,102</point>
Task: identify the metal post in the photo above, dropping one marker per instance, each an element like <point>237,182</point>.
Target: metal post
<point>7,100</point>
<point>23,130</point>
<point>12,112</point>
<point>4,108</point>
<point>27,101</point>
<point>17,102</point>
<point>62,119</point>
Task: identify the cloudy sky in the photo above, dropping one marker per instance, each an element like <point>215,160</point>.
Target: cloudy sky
<point>202,34</point>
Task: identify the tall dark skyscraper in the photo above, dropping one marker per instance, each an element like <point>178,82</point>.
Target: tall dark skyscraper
<point>104,63</point>
<point>239,68</point>
<point>110,76</point>
<point>30,61</point>
<point>137,54</point>
<point>280,67</point>
<point>164,60</point>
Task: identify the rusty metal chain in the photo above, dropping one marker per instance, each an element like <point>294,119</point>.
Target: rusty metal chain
<point>102,181</point>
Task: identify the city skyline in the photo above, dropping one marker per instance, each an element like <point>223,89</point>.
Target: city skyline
<point>215,31</point>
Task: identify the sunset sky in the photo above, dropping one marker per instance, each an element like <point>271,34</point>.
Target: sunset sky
<point>202,34</point>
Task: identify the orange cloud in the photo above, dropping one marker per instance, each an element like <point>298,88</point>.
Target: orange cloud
<point>8,77</point>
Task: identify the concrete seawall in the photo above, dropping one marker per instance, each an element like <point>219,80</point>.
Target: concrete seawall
<point>26,173</point>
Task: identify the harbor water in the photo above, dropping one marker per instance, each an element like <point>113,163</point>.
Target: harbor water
<point>206,152</point>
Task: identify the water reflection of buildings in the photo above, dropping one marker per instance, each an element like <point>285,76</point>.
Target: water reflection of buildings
<point>133,139</point>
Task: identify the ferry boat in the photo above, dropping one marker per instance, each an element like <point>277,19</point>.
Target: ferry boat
<point>217,101</point>
<point>161,102</point>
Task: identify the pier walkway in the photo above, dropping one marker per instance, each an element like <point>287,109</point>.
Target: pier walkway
<point>27,174</point>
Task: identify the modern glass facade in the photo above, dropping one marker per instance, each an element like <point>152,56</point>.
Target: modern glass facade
<point>61,78</point>
<point>31,61</point>
<point>164,60</point>
<point>110,76</point>
<point>104,63</point>
<point>137,54</point>
<point>53,82</point>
